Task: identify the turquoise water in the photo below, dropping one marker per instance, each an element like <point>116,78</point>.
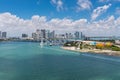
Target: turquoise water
<point>27,61</point>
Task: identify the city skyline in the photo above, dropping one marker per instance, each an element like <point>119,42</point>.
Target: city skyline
<point>93,18</point>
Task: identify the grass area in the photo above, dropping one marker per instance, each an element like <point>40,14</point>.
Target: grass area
<point>115,48</point>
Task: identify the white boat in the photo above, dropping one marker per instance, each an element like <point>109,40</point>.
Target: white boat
<point>41,43</point>
<point>50,44</point>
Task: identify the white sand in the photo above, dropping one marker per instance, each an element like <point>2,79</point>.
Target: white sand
<point>109,52</point>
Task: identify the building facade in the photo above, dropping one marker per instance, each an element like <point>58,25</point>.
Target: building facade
<point>4,34</point>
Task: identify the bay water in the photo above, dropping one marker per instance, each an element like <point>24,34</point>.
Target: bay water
<point>28,61</point>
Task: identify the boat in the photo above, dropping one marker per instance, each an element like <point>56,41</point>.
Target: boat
<point>41,43</point>
<point>50,44</point>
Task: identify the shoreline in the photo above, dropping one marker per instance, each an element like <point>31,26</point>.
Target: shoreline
<point>96,51</point>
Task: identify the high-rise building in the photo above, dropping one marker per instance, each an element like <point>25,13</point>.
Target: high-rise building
<point>66,35</point>
<point>43,33</point>
<point>34,36</point>
<point>70,35</point>
<point>52,34</point>
<point>0,34</point>
<point>78,35</point>
<point>4,34</point>
<point>38,34</point>
<point>47,34</point>
<point>81,36</point>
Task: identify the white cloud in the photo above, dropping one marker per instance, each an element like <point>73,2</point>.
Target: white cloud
<point>83,5</point>
<point>15,26</point>
<point>58,4</point>
<point>99,10</point>
<point>118,11</point>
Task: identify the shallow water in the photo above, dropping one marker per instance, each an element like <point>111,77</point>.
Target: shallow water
<point>28,61</point>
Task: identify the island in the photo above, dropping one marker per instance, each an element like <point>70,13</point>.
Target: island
<point>109,48</point>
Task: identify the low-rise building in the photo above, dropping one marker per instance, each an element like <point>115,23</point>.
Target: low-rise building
<point>117,42</point>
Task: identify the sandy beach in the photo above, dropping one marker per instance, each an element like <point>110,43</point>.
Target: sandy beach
<point>97,51</point>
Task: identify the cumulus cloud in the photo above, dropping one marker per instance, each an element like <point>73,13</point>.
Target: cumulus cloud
<point>15,26</point>
<point>99,10</point>
<point>118,11</point>
<point>83,5</point>
<point>58,4</point>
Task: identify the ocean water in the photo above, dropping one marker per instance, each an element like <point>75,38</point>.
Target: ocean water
<point>28,61</point>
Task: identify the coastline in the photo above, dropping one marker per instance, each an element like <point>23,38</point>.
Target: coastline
<point>97,51</point>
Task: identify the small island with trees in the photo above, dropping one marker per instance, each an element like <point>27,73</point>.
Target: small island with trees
<point>103,47</point>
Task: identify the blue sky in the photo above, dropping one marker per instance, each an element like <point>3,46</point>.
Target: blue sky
<point>82,14</point>
<point>27,8</point>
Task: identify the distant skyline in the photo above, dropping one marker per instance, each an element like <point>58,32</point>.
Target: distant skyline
<point>92,17</point>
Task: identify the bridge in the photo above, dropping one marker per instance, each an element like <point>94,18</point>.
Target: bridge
<point>104,38</point>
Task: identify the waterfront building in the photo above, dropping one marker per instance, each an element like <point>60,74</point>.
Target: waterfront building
<point>38,34</point>
<point>34,36</point>
<point>60,36</point>
<point>43,33</point>
<point>47,34</point>
<point>117,42</point>
<point>78,35</point>
<point>83,37</point>
<point>66,36</point>
<point>24,35</point>
<point>4,34</point>
<point>70,36</point>
<point>0,35</point>
<point>52,34</point>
